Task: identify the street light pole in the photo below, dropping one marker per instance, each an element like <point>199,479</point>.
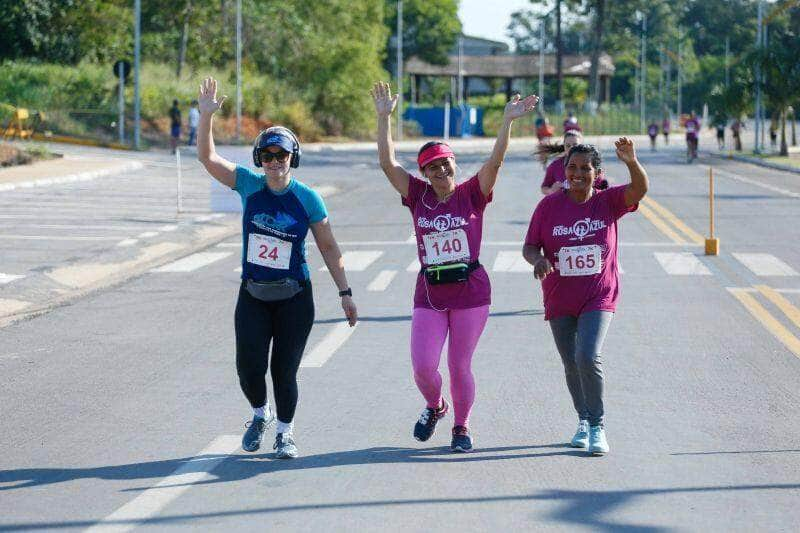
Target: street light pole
<point>399,70</point>
<point>137,36</point>
<point>238,69</point>
<point>541,65</point>
<point>756,148</point>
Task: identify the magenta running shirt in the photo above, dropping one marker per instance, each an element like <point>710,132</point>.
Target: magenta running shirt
<point>555,172</point>
<point>580,240</point>
<point>449,232</point>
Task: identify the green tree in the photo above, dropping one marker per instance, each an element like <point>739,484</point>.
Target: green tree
<point>430,29</point>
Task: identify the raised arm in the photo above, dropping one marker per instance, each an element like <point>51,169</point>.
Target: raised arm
<point>515,108</point>
<point>637,188</point>
<point>220,168</point>
<point>384,105</point>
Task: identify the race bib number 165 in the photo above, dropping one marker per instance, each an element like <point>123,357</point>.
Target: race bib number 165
<point>580,260</point>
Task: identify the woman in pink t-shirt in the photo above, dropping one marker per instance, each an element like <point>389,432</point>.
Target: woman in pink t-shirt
<point>572,245</point>
<point>452,293</point>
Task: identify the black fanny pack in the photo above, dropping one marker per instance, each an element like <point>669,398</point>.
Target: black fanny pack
<point>451,273</point>
<point>273,291</point>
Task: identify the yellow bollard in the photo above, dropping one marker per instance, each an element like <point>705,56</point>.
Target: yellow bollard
<point>712,243</point>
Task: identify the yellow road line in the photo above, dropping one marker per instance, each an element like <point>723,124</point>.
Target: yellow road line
<point>675,221</point>
<point>782,303</point>
<point>660,224</point>
<point>767,320</point>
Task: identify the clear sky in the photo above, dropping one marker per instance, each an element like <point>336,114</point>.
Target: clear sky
<point>488,19</point>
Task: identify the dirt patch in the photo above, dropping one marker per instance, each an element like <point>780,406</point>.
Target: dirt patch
<point>11,156</point>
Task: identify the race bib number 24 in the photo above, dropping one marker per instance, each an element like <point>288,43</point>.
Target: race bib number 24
<point>268,251</point>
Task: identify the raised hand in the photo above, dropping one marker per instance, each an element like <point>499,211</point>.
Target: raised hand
<point>207,99</point>
<point>384,101</point>
<point>516,107</point>
<point>625,150</point>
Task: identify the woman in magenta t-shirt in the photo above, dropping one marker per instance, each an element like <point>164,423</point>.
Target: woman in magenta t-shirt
<point>572,245</point>
<point>452,294</point>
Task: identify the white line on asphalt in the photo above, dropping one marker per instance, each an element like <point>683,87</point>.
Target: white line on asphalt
<point>788,291</point>
<point>147,234</point>
<point>681,264</point>
<point>382,280</point>
<point>106,227</point>
<point>238,269</point>
<point>358,261</point>
<point>151,501</point>
<point>507,261</point>
<point>765,265</point>
<point>56,238</point>
<point>236,244</point>
<point>127,242</point>
<point>168,227</point>
<point>515,244</point>
<point>192,262</point>
<point>412,239</point>
<point>413,266</point>
<point>8,278</point>
<point>328,345</point>
<point>757,183</point>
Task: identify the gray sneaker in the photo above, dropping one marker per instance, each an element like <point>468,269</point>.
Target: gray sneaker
<point>581,437</point>
<point>251,441</point>
<point>598,445</point>
<point>284,446</point>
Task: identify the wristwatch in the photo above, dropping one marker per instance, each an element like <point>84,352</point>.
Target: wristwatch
<point>347,292</point>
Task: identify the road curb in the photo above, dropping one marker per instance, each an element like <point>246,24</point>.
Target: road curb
<point>70,178</point>
<point>70,295</point>
<point>757,162</point>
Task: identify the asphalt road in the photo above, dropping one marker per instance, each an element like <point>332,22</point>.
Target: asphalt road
<point>120,409</point>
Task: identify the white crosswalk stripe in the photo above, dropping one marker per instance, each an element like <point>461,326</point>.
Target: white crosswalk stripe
<point>8,278</point>
<point>193,262</point>
<point>765,265</point>
<point>358,261</point>
<point>413,266</point>
<point>382,280</point>
<point>511,261</point>
<point>681,264</point>
<point>323,351</point>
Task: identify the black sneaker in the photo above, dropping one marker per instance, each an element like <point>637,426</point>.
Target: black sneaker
<point>426,424</point>
<point>462,441</point>
<point>284,446</point>
<point>251,441</point>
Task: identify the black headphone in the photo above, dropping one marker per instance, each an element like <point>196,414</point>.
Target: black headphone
<point>296,152</point>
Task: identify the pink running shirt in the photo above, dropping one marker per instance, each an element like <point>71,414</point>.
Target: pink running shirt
<point>555,172</point>
<point>450,232</point>
<point>587,233</point>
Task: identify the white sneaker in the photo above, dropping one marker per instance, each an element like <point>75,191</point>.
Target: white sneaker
<point>284,446</point>
<point>598,445</point>
<point>581,437</point>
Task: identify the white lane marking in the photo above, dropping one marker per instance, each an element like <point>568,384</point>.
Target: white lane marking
<point>681,264</point>
<point>236,244</point>
<point>82,176</point>
<point>8,278</point>
<point>56,238</point>
<point>382,280</point>
<point>202,218</point>
<point>127,242</point>
<point>788,291</point>
<point>238,269</point>
<point>358,261</point>
<point>413,266</point>
<point>765,265</point>
<point>168,227</point>
<point>516,244</point>
<point>10,306</point>
<point>772,188</point>
<point>151,501</point>
<point>108,227</point>
<point>328,345</point>
<point>193,262</point>
<point>147,234</point>
<point>507,261</point>
<point>412,239</point>
<point>216,215</point>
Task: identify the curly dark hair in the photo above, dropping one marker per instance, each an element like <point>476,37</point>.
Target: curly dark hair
<point>594,155</point>
<point>545,150</point>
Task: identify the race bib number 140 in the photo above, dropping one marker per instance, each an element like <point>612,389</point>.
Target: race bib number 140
<point>268,251</point>
<point>580,260</point>
<point>446,246</point>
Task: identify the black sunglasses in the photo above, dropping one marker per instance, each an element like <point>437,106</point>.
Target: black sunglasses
<point>267,157</point>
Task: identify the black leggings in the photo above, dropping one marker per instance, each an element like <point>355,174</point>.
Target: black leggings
<point>287,324</point>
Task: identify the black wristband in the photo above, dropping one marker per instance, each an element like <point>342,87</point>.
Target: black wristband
<point>347,292</point>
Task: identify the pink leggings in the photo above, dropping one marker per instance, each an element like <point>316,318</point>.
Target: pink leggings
<point>428,331</point>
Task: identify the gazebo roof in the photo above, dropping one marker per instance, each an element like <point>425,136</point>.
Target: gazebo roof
<point>510,66</point>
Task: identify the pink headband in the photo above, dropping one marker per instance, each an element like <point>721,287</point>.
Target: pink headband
<point>437,151</point>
